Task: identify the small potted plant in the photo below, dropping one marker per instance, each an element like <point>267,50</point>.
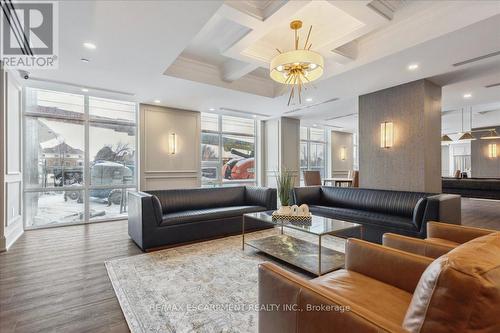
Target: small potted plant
<point>285,183</point>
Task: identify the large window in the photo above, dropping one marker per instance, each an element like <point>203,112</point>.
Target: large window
<point>355,152</point>
<point>79,157</point>
<point>312,150</point>
<point>462,162</point>
<point>227,150</point>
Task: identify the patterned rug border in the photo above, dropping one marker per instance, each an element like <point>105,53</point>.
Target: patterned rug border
<point>128,313</point>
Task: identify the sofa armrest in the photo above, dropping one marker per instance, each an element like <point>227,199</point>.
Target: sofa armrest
<point>288,303</point>
<point>415,245</point>
<point>144,213</point>
<point>395,267</point>
<point>455,233</point>
<point>419,213</point>
<point>310,195</point>
<point>261,196</point>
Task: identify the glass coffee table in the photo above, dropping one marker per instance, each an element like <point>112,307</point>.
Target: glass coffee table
<point>306,255</point>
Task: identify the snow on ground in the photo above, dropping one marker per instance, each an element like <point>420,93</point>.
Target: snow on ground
<point>53,209</point>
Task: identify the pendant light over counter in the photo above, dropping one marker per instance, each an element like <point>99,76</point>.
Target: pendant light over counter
<point>446,138</point>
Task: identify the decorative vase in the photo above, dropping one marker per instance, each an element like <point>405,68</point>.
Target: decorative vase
<point>285,210</point>
<point>304,209</point>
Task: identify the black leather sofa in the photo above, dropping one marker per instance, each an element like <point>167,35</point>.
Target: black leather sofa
<point>380,211</point>
<point>485,188</point>
<point>168,217</point>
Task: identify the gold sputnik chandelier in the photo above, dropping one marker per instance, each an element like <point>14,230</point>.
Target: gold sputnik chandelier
<point>298,67</point>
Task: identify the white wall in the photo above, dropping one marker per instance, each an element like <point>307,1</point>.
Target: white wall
<point>158,168</point>
<point>11,209</point>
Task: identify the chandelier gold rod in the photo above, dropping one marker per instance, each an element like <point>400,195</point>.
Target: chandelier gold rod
<point>308,35</point>
<point>292,93</point>
<point>300,89</point>
<point>290,97</point>
<point>307,79</point>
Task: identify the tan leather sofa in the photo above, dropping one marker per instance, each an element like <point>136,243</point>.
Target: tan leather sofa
<point>441,238</point>
<point>388,290</point>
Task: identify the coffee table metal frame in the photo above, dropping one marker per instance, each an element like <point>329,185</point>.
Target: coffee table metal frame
<point>343,226</point>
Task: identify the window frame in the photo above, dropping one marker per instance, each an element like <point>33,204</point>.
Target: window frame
<point>308,142</point>
<point>219,181</point>
<point>87,121</point>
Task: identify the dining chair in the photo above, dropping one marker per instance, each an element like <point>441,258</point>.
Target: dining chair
<point>312,178</point>
<point>355,178</point>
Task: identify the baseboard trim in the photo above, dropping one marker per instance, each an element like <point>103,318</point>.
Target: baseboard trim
<point>13,235</point>
<point>2,244</point>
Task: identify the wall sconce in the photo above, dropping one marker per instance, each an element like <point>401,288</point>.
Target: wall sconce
<point>173,143</point>
<point>343,153</point>
<point>386,134</point>
<point>492,150</point>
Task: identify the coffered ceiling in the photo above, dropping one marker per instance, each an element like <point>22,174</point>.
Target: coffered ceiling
<point>244,36</point>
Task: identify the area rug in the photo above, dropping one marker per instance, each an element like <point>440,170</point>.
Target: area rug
<point>204,287</point>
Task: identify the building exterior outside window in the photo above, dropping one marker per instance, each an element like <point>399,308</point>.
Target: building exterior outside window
<point>313,150</point>
<point>228,150</point>
<point>79,157</point>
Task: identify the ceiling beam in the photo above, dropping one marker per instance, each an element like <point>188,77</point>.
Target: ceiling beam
<point>233,69</point>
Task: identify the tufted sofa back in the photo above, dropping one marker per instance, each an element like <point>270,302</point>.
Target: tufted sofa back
<point>199,198</point>
<point>387,202</point>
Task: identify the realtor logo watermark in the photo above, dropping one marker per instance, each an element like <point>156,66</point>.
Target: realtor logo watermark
<point>30,34</point>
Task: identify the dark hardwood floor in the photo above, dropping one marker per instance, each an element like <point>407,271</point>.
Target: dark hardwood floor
<point>481,213</point>
<point>54,280</point>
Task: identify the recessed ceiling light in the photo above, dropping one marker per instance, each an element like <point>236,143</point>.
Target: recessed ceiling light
<point>211,109</point>
<point>85,60</point>
<point>157,101</point>
<point>255,116</point>
<point>412,67</point>
<point>315,125</point>
<point>309,99</point>
<point>89,45</point>
<point>468,95</point>
<point>85,90</point>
